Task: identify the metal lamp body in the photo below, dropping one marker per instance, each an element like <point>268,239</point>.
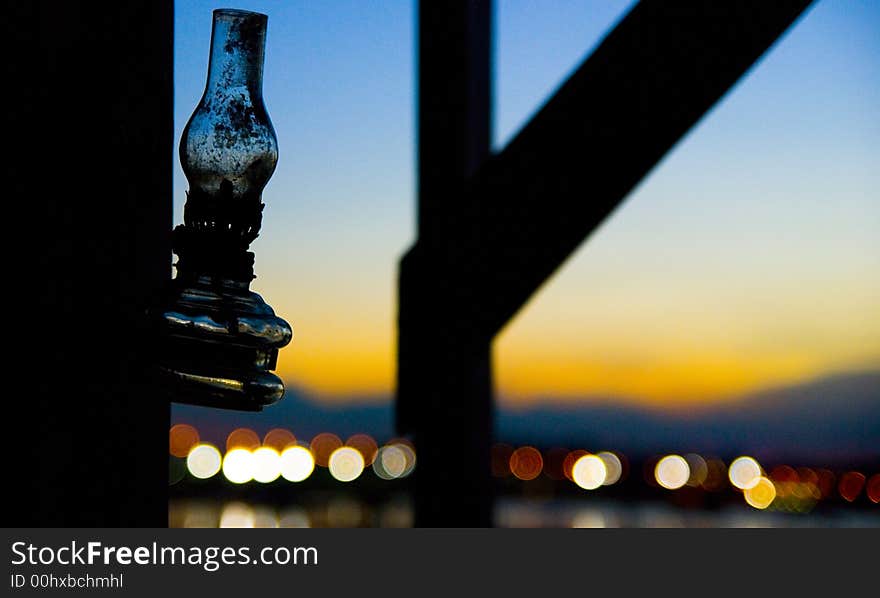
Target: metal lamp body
<point>219,340</point>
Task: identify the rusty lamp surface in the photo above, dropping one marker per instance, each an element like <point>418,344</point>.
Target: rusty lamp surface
<point>218,340</point>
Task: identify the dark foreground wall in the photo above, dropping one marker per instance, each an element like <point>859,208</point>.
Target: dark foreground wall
<point>93,139</point>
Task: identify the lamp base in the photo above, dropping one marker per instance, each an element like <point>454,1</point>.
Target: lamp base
<point>218,342</point>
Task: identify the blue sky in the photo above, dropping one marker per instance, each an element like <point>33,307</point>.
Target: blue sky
<point>747,258</point>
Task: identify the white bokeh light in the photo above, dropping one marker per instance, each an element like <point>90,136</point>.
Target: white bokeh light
<point>266,465</point>
<point>346,464</point>
<point>744,472</point>
<point>613,467</point>
<point>204,461</point>
<point>672,472</point>
<point>237,514</point>
<point>238,466</point>
<point>297,463</point>
<point>589,472</point>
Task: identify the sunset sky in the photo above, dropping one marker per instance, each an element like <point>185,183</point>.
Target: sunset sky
<point>750,257</point>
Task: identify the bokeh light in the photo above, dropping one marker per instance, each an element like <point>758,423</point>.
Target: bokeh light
<point>744,472</point>
<point>391,462</point>
<point>200,515</point>
<point>296,463</point>
<point>526,463</point>
<point>613,467</point>
<point>589,518</point>
<point>266,465</point>
<point>409,454</point>
<point>589,472</point>
<point>237,514</point>
<point>395,460</point>
<point>366,445</point>
<point>570,459</point>
<point>808,476</point>
<point>761,493</point>
<point>279,439</point>
<point>322,446</point>
<point>242,438</point>
<point>346,464</point>
<point>238,466</point>
<point>265,517</point>
<point>294,517</point>
<point>204,461</point>
<point>699,470</point>
<point>501,459</point>
<point>672,472</point>
<point>784,473</point>
<point>850,485</point>
<point>344,511</point>
<point>872,489</point>
<point>181,440</point>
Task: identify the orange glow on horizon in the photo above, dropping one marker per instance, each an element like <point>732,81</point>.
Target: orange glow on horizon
<point>342,356</point>
<point>531,378</point>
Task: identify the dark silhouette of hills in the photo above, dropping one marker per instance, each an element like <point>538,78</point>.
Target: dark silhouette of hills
<point>833,418</point>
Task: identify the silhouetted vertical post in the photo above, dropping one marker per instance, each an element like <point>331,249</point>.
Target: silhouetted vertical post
<point>444,370</point>
<point>102,77</point>
<point>493,229</point>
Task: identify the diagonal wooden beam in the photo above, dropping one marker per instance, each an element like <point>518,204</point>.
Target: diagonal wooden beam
<point>654,76</point>
<point>488,239</point>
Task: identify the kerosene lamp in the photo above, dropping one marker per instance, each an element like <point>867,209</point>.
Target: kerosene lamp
<point>218,340</point>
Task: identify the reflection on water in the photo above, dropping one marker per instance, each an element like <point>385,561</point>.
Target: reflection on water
<point>517,512</point>
<point>335,510</point>
<point>345,510</point>
<point>283,481</point>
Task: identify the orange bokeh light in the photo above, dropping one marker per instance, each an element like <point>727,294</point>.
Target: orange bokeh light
<point>181,439</point>
<point>365,445</point>
<point>242,438</point>
<point>808,476</point>
<point>526,463</point>
<point>279,439</point>
<point>784,473</point>
<point>825,482</point>
<point>850,485</point>
<point>569,461</point>
<point>873,488</point>
<point>322,447</point>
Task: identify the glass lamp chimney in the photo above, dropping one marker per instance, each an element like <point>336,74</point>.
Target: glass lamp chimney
<point>228,146</point>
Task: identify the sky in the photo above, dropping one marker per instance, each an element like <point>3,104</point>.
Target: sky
<point>747,259</point>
